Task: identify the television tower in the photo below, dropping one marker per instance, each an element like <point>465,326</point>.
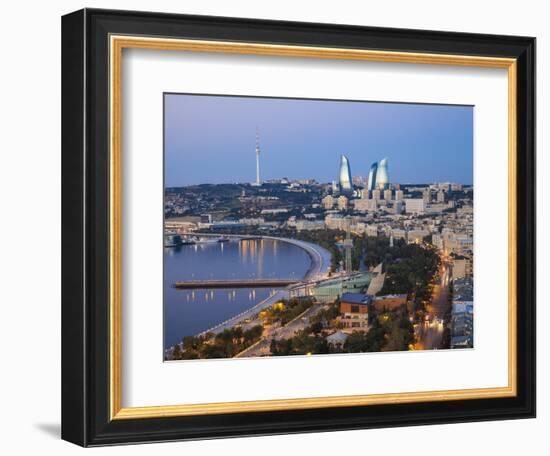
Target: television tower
<point>257,158</point>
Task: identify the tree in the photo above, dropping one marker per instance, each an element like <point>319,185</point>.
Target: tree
<point>316,327</point>
<point>190,342</point>
<point>237,333</point>
<point>253,334</point>
<point>176,352</point>
<point>371,341</point>
<point>273,349</point>
<point>190,354</point>
<point>213,351</point>
<point>320,346</point>
<point>281,347</point>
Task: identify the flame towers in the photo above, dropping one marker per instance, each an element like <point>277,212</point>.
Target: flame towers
<point>371,182</point>
<point>382,176</point>
<point>345,176</point>
<point>379,178</point>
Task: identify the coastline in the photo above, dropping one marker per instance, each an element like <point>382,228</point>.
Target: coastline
<point>320,257</point>
<point>320,265</point>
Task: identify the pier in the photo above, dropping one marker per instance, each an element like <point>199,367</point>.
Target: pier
<point>235,283</point>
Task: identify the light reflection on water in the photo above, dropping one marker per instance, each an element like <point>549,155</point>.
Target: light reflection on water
<point>188,312</point>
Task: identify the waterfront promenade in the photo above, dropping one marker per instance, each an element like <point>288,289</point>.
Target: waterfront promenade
<point>249,313</point>
<point>262,347</point>
<point>235,283</point>
<point>320,258</point>
<point>319,270</point>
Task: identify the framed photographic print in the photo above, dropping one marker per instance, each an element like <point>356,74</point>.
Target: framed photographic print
<point>278,227</point>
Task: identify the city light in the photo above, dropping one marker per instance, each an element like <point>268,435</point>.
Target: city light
<point>371,253</point>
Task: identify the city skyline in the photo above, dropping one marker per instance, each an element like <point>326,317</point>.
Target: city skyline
<point>212,139</point>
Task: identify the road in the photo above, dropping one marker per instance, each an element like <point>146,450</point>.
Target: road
<point>430,333</point>
<point>249,313</point>
<point>262,347</point>
<point>319,269</point>
<point>320,257</point>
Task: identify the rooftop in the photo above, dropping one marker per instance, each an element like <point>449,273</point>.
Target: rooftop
<point>462,341</point>
<point>356,298</point>
<point>337,337</point>
<point>392,296</point>
<point>463,289</point>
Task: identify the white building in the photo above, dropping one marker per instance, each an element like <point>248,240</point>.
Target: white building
<point>437,241</point>
<point>342,202</point>
<point>365,205</point>
<point>462,267</point>
<point>337,340</point>
<point>398,207</point>
<point>309,225</point>
<point>399,234</point>
<point>281,210</point>
<point>372,230</point>
<point>415,205</point>
<point>335,223</point>
<point>252,221</point>
<point>328,202</point>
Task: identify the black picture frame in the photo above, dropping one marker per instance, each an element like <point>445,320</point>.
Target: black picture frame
<point>85,225</point>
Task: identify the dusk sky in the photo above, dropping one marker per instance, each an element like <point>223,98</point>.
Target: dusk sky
<point>211,139</point>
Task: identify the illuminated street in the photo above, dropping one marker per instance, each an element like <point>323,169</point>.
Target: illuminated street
<point>301,242</point>
<point>284,332</point>
<point>430,333</point>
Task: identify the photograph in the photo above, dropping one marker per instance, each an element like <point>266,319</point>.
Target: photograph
<point>308,227</point>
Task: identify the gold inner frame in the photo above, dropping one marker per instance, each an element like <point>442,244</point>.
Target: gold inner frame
<point>117,44</point>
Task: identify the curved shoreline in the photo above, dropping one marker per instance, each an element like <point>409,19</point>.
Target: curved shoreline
<point>320,263</point>
<point>320,257</point>
<point>320,266</point>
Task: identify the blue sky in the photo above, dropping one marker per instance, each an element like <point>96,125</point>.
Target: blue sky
<point>211,139</point>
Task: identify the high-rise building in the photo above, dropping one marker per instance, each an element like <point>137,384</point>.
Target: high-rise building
<point>328,202</point>
<point>382,176</point>
<point>462,266</point>
<point>342,202</point>
<point>415,205</point>
<point>437,241</point>
<point>427,195</point>
<point>398,195</point>
<point>397,207</point>
<point>376,195</point>
<point>365,205</point>
<point>358,181</point>
<point>345,176</point>
<point>371,182</point>
<point>387,194</point>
